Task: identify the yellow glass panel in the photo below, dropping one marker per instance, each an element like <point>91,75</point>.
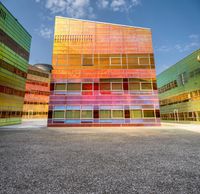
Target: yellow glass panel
<point>105,114</point>
<point>146,86</point>
<point>74,87</point>
<point>136,113</point>
<point>117,113</point>
<point>148,113</point>
<point>87,114</point>
<point>73,114</point>
<point>144,61</point>
<point>134,86</point>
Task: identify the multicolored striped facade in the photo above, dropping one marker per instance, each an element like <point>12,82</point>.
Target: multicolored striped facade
<point>14,56</point>
<point>36,100</point>
<point>179,90</point>
<point>103,75</point>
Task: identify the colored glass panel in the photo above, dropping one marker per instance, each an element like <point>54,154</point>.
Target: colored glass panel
<point>108,67</point>
<point>73,86</point>
<point>70,114</point>
<point>14,55</point>
<point>59,114</point>
<point>105,114</point>
<point>117,113</point>
<point>148,113</point>
<point>86,114</point>
<point>136,113</point>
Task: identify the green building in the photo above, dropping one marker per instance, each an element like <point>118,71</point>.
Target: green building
<point>14,56</point>
<point>179,90</point>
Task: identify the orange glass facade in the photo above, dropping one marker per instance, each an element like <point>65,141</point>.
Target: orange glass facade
<point>103,75</point>
<point>36,100</point>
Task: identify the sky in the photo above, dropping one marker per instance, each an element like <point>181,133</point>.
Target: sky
<point>175,24</point>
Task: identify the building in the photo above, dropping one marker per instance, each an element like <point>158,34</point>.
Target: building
<point>36,100</point>
<point>14,56</point>
<point>103,75</point>
<point>179,90</point>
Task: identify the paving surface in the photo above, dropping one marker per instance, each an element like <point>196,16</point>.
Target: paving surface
<point>99,160</point>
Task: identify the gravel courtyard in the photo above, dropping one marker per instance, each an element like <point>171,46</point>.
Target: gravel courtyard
<point>99,160</point>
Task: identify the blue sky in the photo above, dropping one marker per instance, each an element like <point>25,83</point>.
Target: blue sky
<point>174,23</point>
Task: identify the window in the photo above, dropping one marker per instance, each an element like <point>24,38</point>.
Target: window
<point>117,113</point>
<point>86,86</point>
<point>127,114</point>
<point>104,86</point>
<point>124,60</point>
<point>88,60</point>
<point>96,114</point>
<point>104,60</point>
<point>168,86</point>
<point>183,78</point>
<point>195,72</point>
<point>144,61</point>
<point>146,86</point>
<point>116,86</point>
<point>96,86</point>
<point>73,86</point>
<point>105,114</point>
<point>58,114</point>
<point>73,114</point>
<point>105,80</point>
<point>74,59</point>
<point>115,61</point>
<point>158,113</point>
<point>60,86</point>
<point>86,114</point>
<point>119,80</point>
<point>132,61</point>
<point>136,113</point>
<point>134,86</point>
<point>148,113</point>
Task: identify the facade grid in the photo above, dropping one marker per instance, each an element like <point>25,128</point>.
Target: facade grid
<point>36,100</point>
<point>103,75</point>
<point>14,55</point>
<point>179,90</point>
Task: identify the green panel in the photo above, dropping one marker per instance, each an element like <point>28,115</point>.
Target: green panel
<point>86,114</point>
<point>12,58</point>
<point>12,102</point>
<point>105,114</point>
<point>59,114</point>
<point>136,113</point>
<point>117,113</point>
<point>60,86</point>
<point>187,65</point>
<point>14,29</point>
<point>73,114</point>
<point>187,75</point>
<point>74,87</point>
<point>148,113</point>
<point>10,121</point>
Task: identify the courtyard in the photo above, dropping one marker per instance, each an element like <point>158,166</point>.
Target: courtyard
<point>163,159</point>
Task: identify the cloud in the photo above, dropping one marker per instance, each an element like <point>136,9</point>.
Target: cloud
<point>118,5</point>
<point>163,48</point>
<point>194,36</point>
<point>45,32</point>
<point>71,8</point>
<point>186,47</point>
<point>103,4</point>
<point>85,8</point>
<point>193,42</point>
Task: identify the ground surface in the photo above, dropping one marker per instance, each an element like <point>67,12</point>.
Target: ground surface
<point>99,160</point>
